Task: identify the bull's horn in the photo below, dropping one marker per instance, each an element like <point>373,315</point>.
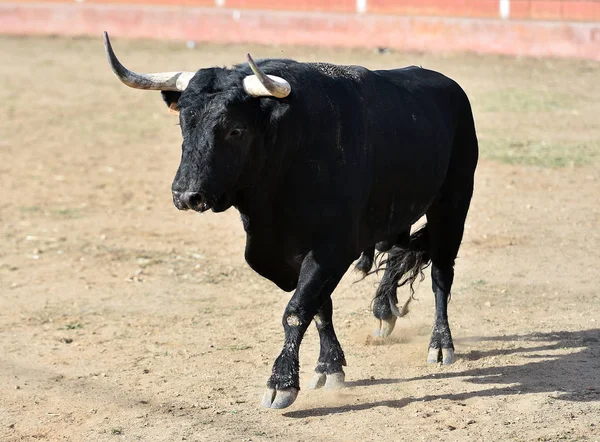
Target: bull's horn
<point>263,85</point>
<point>162,81</point>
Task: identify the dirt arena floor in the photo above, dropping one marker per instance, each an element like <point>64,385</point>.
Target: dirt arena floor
<point>122,318</point>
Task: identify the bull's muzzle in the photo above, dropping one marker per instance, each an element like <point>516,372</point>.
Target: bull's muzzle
<point>189,200</point>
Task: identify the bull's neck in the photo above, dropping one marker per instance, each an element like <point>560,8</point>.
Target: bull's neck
<point>260,200</point>
<point>256,202</point>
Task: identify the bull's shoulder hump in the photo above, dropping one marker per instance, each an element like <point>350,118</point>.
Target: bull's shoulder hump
<point>349,72</point>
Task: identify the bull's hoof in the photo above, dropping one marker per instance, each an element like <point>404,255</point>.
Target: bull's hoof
<point>443,355</point>
<point>447,356</point>
<point>384,327</point>
<point>317,381</point>
<point>333,381</point>
<point>279,398</point>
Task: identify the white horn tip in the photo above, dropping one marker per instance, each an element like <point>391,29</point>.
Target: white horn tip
<point>253,86</point>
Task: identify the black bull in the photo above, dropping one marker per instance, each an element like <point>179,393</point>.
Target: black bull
<point>345,162</point>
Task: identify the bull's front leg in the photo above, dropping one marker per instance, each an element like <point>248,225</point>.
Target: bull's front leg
<point>319,275</point>
<point>329,371</point>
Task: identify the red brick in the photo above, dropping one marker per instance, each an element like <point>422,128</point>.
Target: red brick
<point>417,7</point>
<point>581,10</point>
<point>127,2</point>
<point>454,8</point>
<point>297,5</point>
<point>484,8</point>
<point>520,9</point>
<point>546,10</point>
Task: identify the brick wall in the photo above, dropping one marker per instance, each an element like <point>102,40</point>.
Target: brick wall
<point>568,10</point>
<point>564,28</point>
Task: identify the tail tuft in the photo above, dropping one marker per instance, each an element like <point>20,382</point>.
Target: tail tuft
<point>365,263</point>
<point>405,263</point>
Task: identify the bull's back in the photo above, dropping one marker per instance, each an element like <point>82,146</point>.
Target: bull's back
<point>412,116</point>
<point>376,153</point>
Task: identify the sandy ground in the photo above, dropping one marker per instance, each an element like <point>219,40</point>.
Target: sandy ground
<point>124,319</point>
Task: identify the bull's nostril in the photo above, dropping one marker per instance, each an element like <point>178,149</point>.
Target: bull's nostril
<point>188,200</point>
<point>194,200</point>
<point>191,200</point>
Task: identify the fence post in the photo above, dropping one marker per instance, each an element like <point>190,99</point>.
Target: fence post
<point>505,9</point>
<point>361,6</point>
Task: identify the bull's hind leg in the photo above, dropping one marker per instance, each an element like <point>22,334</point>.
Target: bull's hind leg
<point>329,372</point>
<point>445,222</point>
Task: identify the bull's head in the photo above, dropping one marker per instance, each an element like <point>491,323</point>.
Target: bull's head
<point>223,126</point>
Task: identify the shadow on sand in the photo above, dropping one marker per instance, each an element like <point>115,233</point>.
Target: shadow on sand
<point>576,375</point>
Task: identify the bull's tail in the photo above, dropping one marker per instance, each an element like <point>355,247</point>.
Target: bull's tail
<point>407,263</point>
<point>403,265</point>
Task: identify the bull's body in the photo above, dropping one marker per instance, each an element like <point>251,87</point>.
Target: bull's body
<point>325,162</point>
<point>364,155</point>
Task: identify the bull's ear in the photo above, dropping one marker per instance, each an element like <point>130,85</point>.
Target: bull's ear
<point>171,98</point>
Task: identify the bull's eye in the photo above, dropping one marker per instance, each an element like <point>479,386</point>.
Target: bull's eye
<point>235,134</point>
